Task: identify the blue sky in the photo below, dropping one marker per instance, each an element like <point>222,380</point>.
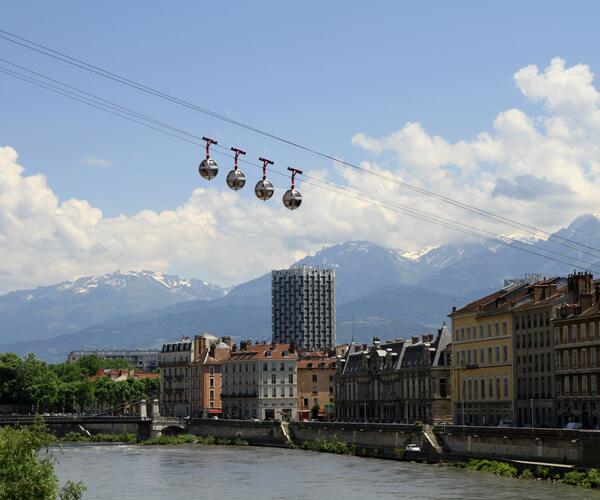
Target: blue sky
<point>315,72</point>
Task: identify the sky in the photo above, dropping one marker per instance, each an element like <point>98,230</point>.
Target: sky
<point>493,104</point>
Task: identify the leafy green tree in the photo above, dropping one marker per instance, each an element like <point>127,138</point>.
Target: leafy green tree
<point>9,367</point>
<point>27,466</point>
<point>89,364</point>
<point>37,383</point>
<point>314,412</point>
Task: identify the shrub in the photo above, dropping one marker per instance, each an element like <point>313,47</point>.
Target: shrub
<point>180,439</point>
<point>542,472</point>
<point>527,474</point>
<point>399,452</point>
<point>223,441</point>
<point>329,445</point>
<point>494,466</point>
<point>240,442</point>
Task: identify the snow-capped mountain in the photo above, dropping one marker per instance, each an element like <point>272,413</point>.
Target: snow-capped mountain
<point>382,291</point>
<point>72,305</point>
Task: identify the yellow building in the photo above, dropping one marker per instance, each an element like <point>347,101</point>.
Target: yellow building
<point>482,366</point>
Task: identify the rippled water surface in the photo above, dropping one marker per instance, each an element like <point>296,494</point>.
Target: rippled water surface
<point>228,473</point>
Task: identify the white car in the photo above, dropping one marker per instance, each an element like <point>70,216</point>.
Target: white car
<point>412,447</point>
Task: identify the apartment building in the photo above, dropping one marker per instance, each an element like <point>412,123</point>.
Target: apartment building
<point>303,307</point>
<point>577,348</point>
<point>175,360</point>
<point>206,371</point>
<point>316,372</point>
<point>260,382</point>
<point>482,346</point>
<point>533,342</point>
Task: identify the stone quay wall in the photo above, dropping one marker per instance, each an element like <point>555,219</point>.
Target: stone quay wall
<point>557,446</point>
<point>255,432</point>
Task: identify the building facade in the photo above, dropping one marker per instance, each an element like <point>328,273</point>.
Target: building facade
<point>482,346</point>
<point>533,342</point>
<point>303,307</point>
<point>138,359</point>
<point>316,373</point>
<point>396,381</point>
<point>206,371</point>
<point>175,361</point>
<point>260,382</point>
<point>577,347</point>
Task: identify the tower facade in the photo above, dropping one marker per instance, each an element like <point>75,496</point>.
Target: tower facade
<point>303,307</point>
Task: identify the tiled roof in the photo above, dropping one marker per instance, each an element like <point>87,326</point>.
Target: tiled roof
<point>264,352</point>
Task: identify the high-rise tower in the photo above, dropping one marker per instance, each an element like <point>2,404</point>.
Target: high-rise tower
<point>303,307</point>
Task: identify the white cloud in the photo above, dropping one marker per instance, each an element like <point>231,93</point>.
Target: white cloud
<point>94,161</point>
<point>517,169</point>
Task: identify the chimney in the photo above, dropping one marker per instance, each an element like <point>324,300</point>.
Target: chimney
<point>453,309</point>
<point>414,339</point>
<point>292,348</point>
<point>273,345</point>
<point>233,347</point>
<point>211,350</point>
<point>537,293</point>
<point>226,340</point>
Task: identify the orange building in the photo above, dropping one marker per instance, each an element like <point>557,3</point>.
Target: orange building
<point>315,385</point>
<point>205,387</point>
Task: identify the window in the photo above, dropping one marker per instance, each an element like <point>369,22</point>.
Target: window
<point>314,378</point>
<point>480,331</point>
<point>584,385</point>
<point>475,390</point>
<point>497,328</point>
<point>582,331</point>
<point>504,328</point>
<point>265,367</point>
<point>273,378</point>
<point>281,366</point>
<point>482,355</point>
<point>211,382</point>
<point>497,387</point>
<point>274,392</point>
<point>565,359</point>
<point>564,335</point>
<point>497,354</point>
<point>469,385</point>
<point>282,392</point>
<point>489,330</point>
<point>266,392</point>
<point>490,388</point>
<point>574,365</point>
<point>584,358</point>
<point>482,388</point>
<point>211,370</point>
<point>592,331</point>
<point>505,387</point>
<point>443,388</point>
<point>273,366</point>
<point>593,384</point>
<point>593,357</point>
<point>291,393</point>
<point>489,355</point>
<point>464,389</point>
<point>505,353</point>
<point>575,385</point>
<point>315,389</point>
<point>211,394</point>
<point>291,378</point>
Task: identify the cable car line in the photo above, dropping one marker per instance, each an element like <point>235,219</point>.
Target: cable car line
<point>109,106</point>
<point>61,56</point>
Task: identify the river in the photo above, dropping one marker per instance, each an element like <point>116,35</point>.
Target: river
<point>229,472</point>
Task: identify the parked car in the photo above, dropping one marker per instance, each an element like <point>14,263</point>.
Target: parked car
<point>574,426</point>
<point>412,447</point>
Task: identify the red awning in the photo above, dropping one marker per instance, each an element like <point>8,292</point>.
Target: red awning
<point>212,411</point>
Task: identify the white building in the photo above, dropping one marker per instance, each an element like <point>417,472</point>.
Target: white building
<point>259,381</point>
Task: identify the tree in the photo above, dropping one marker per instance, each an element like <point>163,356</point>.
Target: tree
<point>89,365</point>
<point>27,466</point>
<point>314,412</point>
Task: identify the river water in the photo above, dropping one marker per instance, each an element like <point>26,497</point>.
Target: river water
<point>230,472</point>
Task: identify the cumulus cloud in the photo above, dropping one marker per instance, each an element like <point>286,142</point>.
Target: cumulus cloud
<point>541,169</point>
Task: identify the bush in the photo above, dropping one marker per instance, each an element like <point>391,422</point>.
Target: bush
<point>206,440</point>
<point>180,439</point>
<point>240,442</point>
<point>399,452</point>
<point>75,437</point>
<point>494,466</point>
<point>223,441</point>
<point>542,472</point>
<point>329,445</point>
<point>527,474</point>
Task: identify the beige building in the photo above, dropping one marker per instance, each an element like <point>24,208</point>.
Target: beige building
<point>316,372</point>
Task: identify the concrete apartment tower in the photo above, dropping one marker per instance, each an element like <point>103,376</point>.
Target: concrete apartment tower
<point>303,307</point>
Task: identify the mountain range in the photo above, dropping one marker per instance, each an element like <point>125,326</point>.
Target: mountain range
<point>379,291</point>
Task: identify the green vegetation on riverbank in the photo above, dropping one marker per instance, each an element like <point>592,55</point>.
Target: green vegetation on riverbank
<point>191,439</point>
<point>329,445</point>
<point>27,466</point>
<point>76,437</point>
<point>584,479</point>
